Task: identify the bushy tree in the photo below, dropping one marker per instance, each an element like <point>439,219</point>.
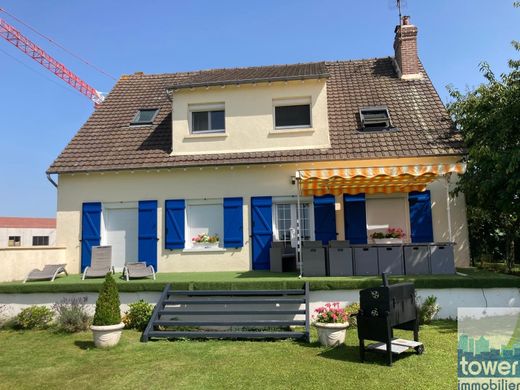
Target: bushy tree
<point>489,120</point>
<point>107,304</point>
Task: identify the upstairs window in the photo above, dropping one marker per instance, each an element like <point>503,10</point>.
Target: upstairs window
<point>145,116</point>
<point>40,240</point>
<point>14,241</point>
<point>375,118</point>
<point>292,113</point>
<point>207,118</point>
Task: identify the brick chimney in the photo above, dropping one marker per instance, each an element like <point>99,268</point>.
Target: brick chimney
<point>405,46</point>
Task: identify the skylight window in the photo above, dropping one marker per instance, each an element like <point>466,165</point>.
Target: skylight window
<point>145,116</point>
<point>375,118</point>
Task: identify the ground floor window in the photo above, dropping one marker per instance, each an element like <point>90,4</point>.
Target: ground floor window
<point>14,241</point>
<point>204,218</point>
<point>40,240</point>
<point>284,221</point>
<point>387,212</point>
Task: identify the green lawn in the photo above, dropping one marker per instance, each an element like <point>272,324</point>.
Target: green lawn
<point>263,280</point>
<point>34,359</point>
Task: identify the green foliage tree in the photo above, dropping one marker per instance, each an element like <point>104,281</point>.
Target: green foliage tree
<point>107,304</point>
<point>489,120</point>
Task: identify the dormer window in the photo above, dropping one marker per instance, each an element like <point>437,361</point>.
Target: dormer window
<point>292,113</point>
<point>207,118</point>
<point>375,118</point>
<point>145,116</point>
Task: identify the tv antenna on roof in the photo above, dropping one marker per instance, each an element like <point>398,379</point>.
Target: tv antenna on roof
<point>399,4</point>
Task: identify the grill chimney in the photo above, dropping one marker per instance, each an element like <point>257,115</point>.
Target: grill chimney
<point>405,46</point>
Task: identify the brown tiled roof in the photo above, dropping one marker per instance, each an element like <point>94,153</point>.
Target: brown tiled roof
<point>107,142</point>
<point>253,74</point>
<point>27,223</point>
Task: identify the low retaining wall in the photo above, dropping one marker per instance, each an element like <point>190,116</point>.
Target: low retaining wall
<point>16,263</point>
<point>449,299</point>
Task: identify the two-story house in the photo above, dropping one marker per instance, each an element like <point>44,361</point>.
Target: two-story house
<point>364,145</point>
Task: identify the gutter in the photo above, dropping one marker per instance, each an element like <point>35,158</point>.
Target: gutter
<point>51,180</point>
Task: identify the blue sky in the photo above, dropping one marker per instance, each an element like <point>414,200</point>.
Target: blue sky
<point>40,113</point>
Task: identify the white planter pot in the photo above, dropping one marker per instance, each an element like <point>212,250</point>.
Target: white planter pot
<point>331,335</point>
<point>205,245</point>
<point>107,335</point>
<point>388,240</point>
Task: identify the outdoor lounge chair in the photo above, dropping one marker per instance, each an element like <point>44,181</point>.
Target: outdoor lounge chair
<point>138,270</point>
<point>100,264</point>
<point>282,257</point>
<point>313,258</point>
<point>49,272</point>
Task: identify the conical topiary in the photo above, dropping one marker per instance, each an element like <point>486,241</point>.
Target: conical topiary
<point>107,304</point>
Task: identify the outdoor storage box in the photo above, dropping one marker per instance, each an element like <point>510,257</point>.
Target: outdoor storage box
<point>417,259</point>
<point>313,258</point>
<point>340,259</point>
<point>442,260</point>
<point>365,260</point>
<point>390,259</point>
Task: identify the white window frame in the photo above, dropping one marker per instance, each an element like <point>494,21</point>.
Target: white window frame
<point>134,120</point>
<point>188,244</point>
<point>14,237</point>
<point>294,203</point>
<point>302,101</point>
<point>202,108</point>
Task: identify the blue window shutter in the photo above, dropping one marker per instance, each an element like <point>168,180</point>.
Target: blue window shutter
<point>147,232</point>
<point>420,216</point>
<point>325,218</point>
<point>174,224</point>
<point>261,230</point>
<point>355,218</point>
<point>233,223</point>
<point>90,231</point>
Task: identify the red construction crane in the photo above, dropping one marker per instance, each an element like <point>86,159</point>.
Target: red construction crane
<point>13,36</point>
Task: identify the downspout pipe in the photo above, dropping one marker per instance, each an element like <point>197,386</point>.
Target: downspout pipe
<point>51,180</point>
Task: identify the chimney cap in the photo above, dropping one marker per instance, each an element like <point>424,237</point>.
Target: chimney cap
<point>405,20</point>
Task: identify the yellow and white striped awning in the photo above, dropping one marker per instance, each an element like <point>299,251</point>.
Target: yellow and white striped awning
<point>371,180</point>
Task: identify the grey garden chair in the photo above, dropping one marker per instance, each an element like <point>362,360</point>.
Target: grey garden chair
<point>100,264</point>
<point>138,270</point>
<point>282,257</point>
<point>49,272</point>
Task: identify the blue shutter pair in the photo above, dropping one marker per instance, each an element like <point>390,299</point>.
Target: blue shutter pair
<point>420,217</point>
<point>147,231</point>
<point>174,223</point>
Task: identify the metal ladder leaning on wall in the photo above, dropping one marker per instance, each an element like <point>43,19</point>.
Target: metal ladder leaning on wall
<point>230,314</point>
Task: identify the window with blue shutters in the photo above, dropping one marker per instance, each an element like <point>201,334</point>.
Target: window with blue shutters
<point>233,223</point>
<point>421,226</point>
<point>355,218</point>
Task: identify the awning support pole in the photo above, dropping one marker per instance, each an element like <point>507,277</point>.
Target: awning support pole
<point>298,230</point>
<point>448,207</point>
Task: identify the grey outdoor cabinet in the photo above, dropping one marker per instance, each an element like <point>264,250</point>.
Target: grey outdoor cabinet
<point>340,259</point>
<point>390,259</point>
<point>365,260</point>
<point>417,259</point>
<point>442,260</point>
<point>313,258</point>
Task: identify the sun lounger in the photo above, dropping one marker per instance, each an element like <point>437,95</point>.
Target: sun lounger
<point>138,270</point>
<point>100,264</point>
<point>49,272</point>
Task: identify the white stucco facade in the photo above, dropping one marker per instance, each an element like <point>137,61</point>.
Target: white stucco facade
<point>218,183</point>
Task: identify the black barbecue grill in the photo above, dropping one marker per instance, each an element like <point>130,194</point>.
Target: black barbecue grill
<point>383,309</point>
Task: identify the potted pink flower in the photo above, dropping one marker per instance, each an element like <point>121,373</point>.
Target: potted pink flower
<point>331,321</point>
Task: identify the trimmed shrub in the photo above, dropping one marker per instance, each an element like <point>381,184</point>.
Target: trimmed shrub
<point>72,315</point>
<point>107,304</point>
<point>353,308</point>
<point>34,317</point>
<point>428,309</point>
<point>138,316</point>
